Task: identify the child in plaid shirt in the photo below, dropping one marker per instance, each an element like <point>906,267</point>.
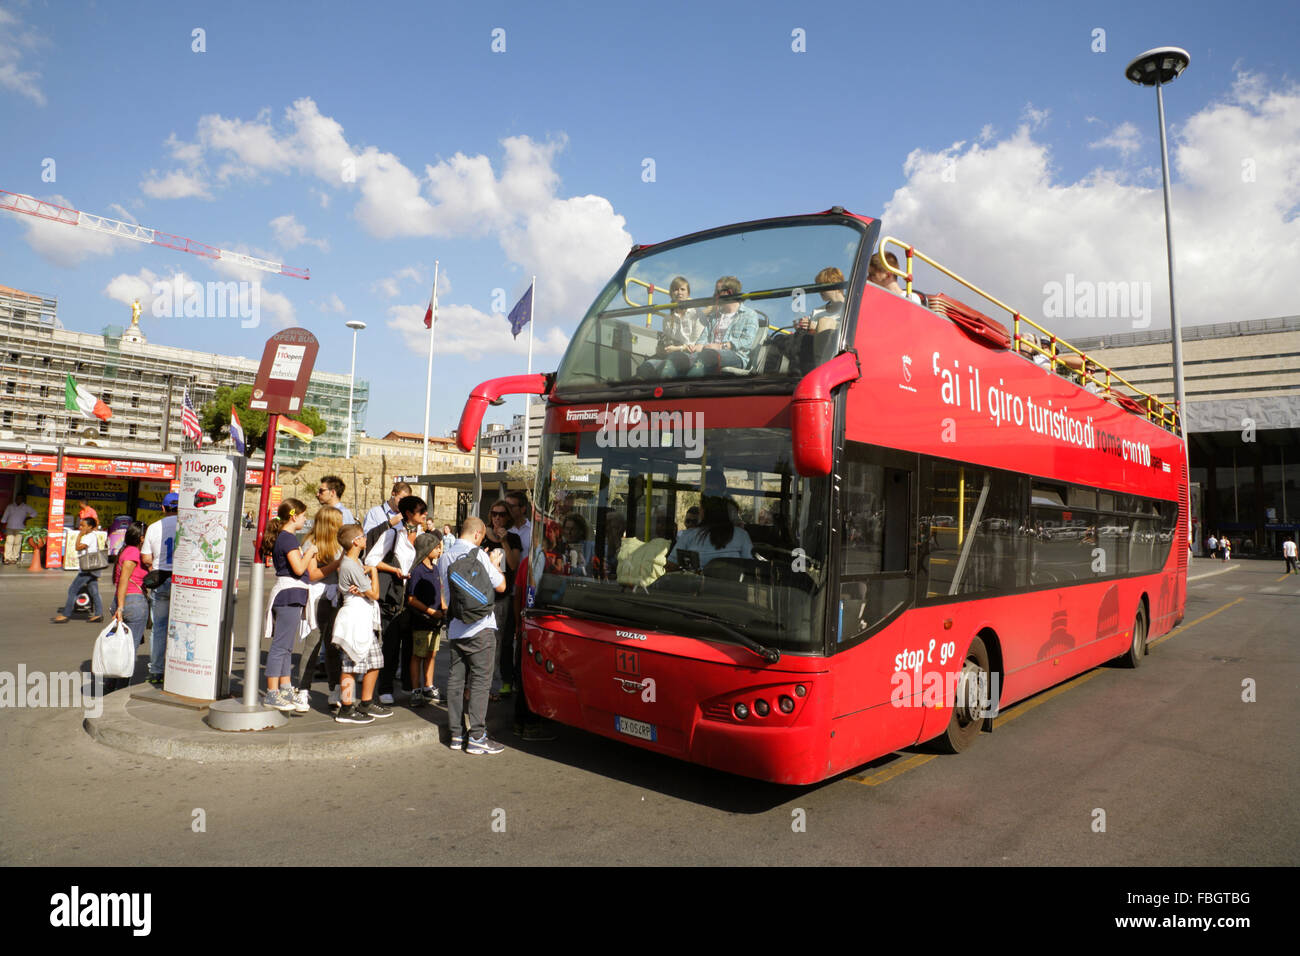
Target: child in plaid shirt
<point>354,631</point>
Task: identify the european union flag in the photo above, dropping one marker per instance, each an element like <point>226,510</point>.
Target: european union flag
<point>522,312</point>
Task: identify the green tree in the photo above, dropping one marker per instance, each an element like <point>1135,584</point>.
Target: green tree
<point>214,417</point>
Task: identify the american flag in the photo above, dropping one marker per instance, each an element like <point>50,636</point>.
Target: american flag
<point>190,420</point>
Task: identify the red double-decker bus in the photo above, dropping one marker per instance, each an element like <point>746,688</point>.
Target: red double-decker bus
<point>789,521</point>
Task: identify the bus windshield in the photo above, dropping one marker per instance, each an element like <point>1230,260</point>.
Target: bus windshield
<point>763,302</point>
<point>692,538</point>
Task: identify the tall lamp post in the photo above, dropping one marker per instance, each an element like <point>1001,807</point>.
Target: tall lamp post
<point>356,325</point>
<point>1156,68</point>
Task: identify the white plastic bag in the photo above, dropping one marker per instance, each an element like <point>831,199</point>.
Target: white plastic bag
<point>114,654</point>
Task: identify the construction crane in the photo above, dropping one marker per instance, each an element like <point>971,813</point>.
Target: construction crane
<point>31,206</point>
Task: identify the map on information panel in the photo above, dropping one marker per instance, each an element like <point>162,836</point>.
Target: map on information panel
<point>201,541</point>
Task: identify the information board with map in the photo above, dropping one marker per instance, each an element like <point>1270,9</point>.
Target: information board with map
<point>205,566</point>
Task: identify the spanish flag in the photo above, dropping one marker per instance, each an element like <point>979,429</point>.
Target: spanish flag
<point>296,429</point>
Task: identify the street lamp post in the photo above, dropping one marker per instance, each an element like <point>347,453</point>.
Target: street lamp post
<point>356,325</point>
<point>1156,68</point>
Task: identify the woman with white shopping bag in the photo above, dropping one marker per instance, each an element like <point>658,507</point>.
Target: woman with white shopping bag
<point>130,606</point>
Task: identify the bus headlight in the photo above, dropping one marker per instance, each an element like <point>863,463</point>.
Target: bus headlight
<point>741,711</point>
<point>786,704</point>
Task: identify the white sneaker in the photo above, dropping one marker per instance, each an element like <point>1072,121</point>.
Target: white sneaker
<point>302,701</point>
<point>386,699</point>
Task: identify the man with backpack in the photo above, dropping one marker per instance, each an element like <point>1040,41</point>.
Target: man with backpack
<point>469,579</point>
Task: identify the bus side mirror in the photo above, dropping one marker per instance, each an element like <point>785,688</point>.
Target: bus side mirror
<point>812,414</point>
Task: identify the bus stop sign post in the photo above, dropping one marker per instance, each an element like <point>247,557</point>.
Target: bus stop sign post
<point>288,358</point>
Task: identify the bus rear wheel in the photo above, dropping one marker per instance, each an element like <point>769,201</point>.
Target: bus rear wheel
<point>1138,646</point>
<point>968,709</point>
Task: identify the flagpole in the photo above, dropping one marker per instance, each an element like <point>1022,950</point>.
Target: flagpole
<point>532,304</point>
<point>428,386</point>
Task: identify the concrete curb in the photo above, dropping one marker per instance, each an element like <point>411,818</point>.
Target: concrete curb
<point>150,730</point>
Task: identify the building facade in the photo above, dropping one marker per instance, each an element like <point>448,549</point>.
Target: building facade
<point>444,453</point>
<point>508,443</point>
<point>143,384</point>
<point>1242,381</point>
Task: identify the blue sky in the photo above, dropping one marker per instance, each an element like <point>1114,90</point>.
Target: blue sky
<point>505,164</point>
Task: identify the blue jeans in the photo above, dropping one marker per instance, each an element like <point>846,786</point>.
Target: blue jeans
<point>472,663</point>
<point>90,581</point>
<point>135,614</point>
<point>162,603</point>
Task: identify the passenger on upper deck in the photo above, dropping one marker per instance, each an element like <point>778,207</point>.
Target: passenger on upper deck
<point>716,537</point>
<point>798,345</point>
<point>729,336</point>
<point>877,273</point>
<point>682,326</point>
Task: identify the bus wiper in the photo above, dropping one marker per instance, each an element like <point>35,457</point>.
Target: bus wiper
<point>768,654</point>
<point>570,612</point>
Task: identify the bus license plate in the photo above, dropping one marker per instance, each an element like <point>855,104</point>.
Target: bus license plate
<point>635,728</point>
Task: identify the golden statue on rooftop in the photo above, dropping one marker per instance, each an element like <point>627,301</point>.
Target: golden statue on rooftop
<point>135,312</point>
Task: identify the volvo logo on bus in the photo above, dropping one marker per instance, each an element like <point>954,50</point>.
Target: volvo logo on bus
<point>631,634</point>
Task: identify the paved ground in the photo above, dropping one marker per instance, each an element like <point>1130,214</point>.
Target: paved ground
<point>1186,772</point>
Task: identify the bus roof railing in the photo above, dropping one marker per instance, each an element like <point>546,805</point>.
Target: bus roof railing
<point>1156,410</point>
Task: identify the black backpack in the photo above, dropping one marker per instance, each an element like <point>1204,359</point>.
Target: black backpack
<point>472,596</point>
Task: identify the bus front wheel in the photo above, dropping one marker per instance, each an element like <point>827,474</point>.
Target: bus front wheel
<point>969,707</point>
<point>1138,646</point>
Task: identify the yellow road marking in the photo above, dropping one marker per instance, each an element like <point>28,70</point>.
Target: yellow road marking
<point>893,770</point>
<point>916,760</point>
<point>1282,578</point>
<point>1182,627</point>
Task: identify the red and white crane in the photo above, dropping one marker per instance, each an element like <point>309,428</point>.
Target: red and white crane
<point>31,206</point>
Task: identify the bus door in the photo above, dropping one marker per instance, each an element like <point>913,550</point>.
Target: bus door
<point>877,574</point>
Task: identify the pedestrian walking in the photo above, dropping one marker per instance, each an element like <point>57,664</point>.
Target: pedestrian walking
<point>468,579</point>
<point>87,543</point>
<point>1289,555</point>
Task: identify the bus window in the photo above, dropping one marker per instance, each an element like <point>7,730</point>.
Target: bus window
<point>984,548</point>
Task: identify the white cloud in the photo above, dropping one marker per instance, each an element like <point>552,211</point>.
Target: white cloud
<point>290,233</point>
<point>334,304</point>
<point>276,307</point>
<point>63,244</point>
<point>123,213</point>
<point>571,243</point>
<point>390,287</point>
<point>15,43</point>
<point>177,184</point>
<point>1009,224</point>
<point>1124,137</point>
<point>127,288</point>
<point>464,330</point>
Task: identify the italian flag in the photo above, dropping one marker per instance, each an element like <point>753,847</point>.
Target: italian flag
<point>296,429</point>
<point>77,399</point>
